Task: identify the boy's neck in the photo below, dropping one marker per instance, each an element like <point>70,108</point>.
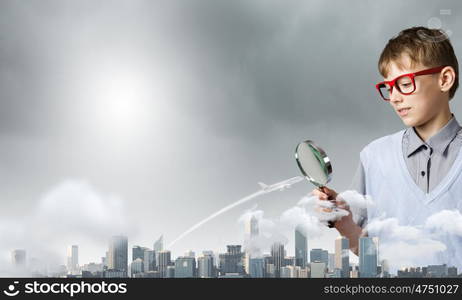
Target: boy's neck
<point>429,129</point>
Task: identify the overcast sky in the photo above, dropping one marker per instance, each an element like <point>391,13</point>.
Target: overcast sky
<point>179,108</point>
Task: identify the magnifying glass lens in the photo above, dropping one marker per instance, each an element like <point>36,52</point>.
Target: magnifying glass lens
<point>313,163</point>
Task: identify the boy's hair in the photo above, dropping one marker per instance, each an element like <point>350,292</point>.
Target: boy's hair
<point>429,47</point>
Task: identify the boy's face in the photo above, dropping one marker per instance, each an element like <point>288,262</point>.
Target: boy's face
<point>424,104</point>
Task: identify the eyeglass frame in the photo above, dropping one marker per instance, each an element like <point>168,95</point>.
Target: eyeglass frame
<point>411,76</point>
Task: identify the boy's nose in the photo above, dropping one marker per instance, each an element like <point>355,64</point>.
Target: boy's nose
<point>396,96</point>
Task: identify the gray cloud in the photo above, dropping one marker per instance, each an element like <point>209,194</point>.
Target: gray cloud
<point>228,90</point>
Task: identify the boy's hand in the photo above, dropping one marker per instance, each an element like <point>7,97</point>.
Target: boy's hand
<point>325,194</point>
<point>328,194</point>
<point>345,225</point>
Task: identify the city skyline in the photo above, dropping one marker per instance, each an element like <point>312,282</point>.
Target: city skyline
<point>223,265</point>
<point>120,260</point>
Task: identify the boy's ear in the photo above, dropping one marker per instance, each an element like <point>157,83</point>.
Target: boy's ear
<point>447,78</point>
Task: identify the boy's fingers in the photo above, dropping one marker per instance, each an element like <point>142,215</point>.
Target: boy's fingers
<point>319,193</point>
<point>322,196</point>
<point>316,192</point>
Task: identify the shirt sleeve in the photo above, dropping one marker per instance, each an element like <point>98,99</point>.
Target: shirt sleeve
<point>359,180</point>
<point>359,184</point>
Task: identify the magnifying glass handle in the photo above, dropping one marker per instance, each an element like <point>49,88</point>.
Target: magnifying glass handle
<point>330,224</point>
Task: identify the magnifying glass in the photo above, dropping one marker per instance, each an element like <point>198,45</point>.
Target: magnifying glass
<point>315,166</point>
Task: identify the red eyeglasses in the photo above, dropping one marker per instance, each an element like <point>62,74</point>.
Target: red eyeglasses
<point>405,84</point>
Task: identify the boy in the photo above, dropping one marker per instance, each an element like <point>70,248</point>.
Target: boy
<point>413,173</point>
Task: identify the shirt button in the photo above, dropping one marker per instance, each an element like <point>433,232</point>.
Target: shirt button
<point>423,173</point>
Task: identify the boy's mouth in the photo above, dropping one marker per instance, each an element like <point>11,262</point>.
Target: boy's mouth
<point>403,111</point>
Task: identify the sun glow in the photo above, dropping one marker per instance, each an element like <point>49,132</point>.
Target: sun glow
<point>124,101</point>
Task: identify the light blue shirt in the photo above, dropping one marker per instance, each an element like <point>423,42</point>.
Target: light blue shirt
<point>397,198</point>
<point>427,162</point>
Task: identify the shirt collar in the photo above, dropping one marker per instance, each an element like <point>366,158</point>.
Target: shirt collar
<point>438,142</point>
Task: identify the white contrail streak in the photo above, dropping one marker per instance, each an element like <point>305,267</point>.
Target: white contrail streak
<point>223,210</point>
<point>214,215</point>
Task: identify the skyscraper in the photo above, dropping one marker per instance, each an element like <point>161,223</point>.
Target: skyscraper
<point>342,256</point>
<point>367,257</point>
<point>157,247</point>
<point>232,261</point>
<point>18,257</point>
<point>278,254</point>
<point>301,248</point>
<point>159,244</point>
<point>72,259</point>
<point>149,260</point>
<point>206,265</point>
<point>185,267</point>
<point>251,227</point>
<point>138,252</point>
<point>257,268</point>
<point>163,263</point>
<point>318,269</point>
<point>331,265</point>
<point>136,267</point>
<point>319,255</point>
<point>251,232</point>
<point>118,253</point>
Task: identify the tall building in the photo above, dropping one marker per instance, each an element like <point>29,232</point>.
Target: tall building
<point>206,265</point>
<point>73,259</point>
<point>452,272</point>
<point>437,271</point>
<point>270,271</point>
<point>232,261</point>
<point>185,267</point>
<point>269,266</point>
<point>367,257</point>
<point>18,257</point>
<point>301,248</point>
<point>331,265</point>
<point>118,254</point>
<point>319,255</point>
<point>138,252</point>
<point>170,272</point>
<point>318,269</point>
<point>257,268</point>
<point>251,231</point>
<point>278,254</point>
<point>342,256</point>
<point>251,227</point>
<point>157,247</point>
<point>163,263</point>
<point>385,268</point>
<point>104,259</point>
<point>289,261</point>
<point>159,244</point>
<point>136,267</point>
<point>149,260</point>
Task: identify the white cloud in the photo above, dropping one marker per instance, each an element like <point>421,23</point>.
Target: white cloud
<point>269,233</point>
<point>72,212</point>
<point>405,246</point>
<point>446,221</point>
